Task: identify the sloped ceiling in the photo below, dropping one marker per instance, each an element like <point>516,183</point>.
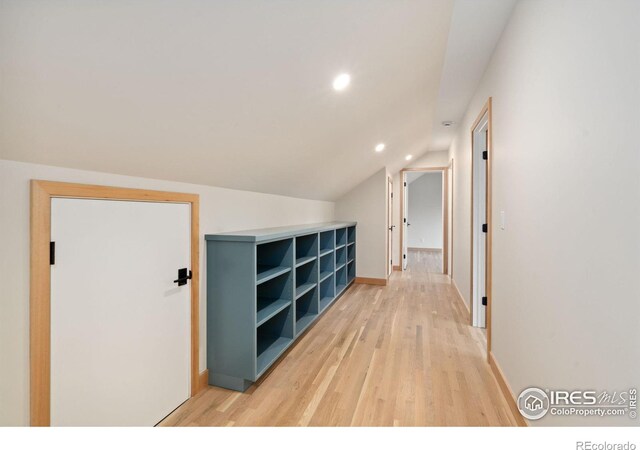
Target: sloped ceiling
<point>476,27</point>
<point>227,93</point>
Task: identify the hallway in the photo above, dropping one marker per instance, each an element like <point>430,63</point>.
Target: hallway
<point>400,355</point>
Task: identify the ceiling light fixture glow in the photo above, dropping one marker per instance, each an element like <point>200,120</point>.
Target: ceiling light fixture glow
<point>408,157</point>
<point>379,147</point>
<point>341,82</point>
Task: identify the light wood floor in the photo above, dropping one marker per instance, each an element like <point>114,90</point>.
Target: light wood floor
<point>400,355</point>
<point>425,260</point>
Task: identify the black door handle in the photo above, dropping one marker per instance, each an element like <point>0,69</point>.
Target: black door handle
<point>183,276</point>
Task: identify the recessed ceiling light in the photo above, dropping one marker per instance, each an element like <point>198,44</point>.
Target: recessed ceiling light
<point>341,82</point>
<point>380,147</point>
<point>408,157</point>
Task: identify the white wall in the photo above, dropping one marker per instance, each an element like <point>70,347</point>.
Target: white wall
<point>220,210</point>
<point>367,204</point>
<point>566,301</point>
<point>429,159</point>
<point>424,211</point>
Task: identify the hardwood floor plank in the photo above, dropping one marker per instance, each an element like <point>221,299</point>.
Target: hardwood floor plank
<point>395,355</point>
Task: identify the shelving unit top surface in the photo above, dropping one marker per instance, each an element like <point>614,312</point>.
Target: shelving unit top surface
<point>270,234</point>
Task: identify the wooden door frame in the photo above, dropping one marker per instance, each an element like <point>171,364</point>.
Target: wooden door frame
<point>389,214</point>
<point>452,197</point>
<point>445,212</point>
<point>40,278</point>
<point>486,110</point>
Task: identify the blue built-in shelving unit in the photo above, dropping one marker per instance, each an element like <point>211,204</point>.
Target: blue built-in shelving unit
<point>265,288</point>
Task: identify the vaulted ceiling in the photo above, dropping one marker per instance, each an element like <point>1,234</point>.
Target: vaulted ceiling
<point>235,94</point>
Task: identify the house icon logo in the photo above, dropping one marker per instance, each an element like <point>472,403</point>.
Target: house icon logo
<point>533,403</point>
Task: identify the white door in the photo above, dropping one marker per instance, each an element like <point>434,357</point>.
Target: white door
<point>405,221</point>
<point>390,226</point>
<point>120,326</point>
<point>480,219</point>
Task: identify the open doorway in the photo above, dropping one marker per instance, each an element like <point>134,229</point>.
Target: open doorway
<point>424,219</point>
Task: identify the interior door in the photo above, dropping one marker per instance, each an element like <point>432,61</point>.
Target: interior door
<point>480,223</point>
<point>405,221</point>
<point>120,326</point>
<point>390,227</point>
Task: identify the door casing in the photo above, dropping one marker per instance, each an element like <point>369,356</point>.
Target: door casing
<point>40,279</point>
<point>390,226</point>
<point>486,110</point>
<point>445,213</point>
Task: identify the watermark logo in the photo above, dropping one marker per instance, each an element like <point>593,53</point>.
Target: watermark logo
<point>533,403</point>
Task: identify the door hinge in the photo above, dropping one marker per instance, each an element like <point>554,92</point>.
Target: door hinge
<point>405,220</point>
<point>392,195</point>
<point>405,183</point>
<point>484,228</point>
<point>52,253</point>
<point>404,256</point>
<point>485,155</point>
<point>484,301</point>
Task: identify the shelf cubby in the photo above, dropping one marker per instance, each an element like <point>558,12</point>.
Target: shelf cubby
<point>273,259</point>
<point>341,237</point>
<point>264,288</point>
<point>351,253</point>
<point>306,249</point>
<point>306,278</point>
<point>327,266</point>
<point>327,242</point>
<point>306,310</point>
<point>351,271</point>
<point>341,280</point>
<point>272,338</point>
<point>351,235</point>
<point>341,257</point>
<point>273,296</point>
<point>327,292</point>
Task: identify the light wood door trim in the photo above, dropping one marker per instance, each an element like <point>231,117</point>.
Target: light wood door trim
<point>389,225</point>
<point>452,197</point>
<point>40,279</point>
<point>445,221</point>
<point>486,109</point>
<point>445,200</point>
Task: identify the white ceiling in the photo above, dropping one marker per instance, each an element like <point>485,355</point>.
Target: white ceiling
<point>476,27</point>
<point>228,93</point>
